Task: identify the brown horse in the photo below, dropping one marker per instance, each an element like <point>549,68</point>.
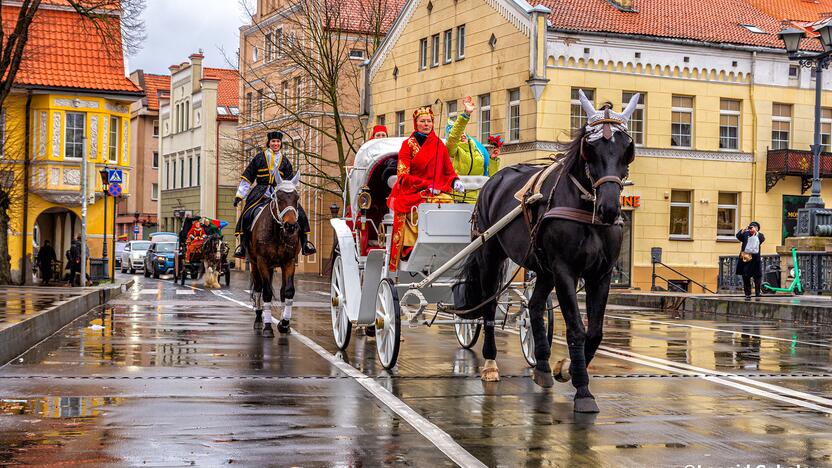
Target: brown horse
<point>274,242</point>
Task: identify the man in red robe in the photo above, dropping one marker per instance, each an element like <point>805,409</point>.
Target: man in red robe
<point>424,173</point>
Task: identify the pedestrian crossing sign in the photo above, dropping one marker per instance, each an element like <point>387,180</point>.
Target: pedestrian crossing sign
<point>115,176</point>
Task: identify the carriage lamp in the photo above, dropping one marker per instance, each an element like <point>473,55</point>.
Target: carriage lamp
<point>791,38</point>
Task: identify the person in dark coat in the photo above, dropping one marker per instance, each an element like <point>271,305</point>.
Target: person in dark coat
<point>46,256</point>
<point>752,240</point>
<point>255,182</point>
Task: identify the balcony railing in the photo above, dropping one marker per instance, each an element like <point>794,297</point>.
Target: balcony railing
<point>790,162</point>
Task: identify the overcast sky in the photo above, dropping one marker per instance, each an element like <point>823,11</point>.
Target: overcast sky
<point>178,28</point>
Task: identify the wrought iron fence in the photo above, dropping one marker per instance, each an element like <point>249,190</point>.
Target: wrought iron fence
<point>815,271</point>
<point>728,278</point>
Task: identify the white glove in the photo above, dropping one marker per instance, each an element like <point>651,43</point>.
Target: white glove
<point>435,191</point>
<point>458,187</point>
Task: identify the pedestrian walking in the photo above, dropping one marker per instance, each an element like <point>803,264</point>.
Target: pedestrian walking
<point>750,264</point>
<point>46,257</point>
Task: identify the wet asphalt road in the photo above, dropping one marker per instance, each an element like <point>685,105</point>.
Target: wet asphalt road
<point>169,375</point>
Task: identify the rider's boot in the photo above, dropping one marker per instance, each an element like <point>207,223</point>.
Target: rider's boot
<point>241,249</point>
<point>306,247</point>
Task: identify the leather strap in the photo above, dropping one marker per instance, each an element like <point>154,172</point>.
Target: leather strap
<point>572,214</point>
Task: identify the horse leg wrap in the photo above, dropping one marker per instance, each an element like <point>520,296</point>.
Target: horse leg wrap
<point>258,302</point>
<point>267,312</point>
<point>287,310</point>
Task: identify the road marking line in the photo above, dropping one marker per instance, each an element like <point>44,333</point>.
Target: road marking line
<point>736,381</point>
<point>439,438</point>
<point>732,332</point>
<point>149,291</point>
<point>180,292</point>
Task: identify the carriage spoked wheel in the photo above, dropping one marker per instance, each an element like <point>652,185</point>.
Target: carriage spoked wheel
<point>388,324</point>
<point>467,334</point>
<point>526,336</point>
<point>341,325</point>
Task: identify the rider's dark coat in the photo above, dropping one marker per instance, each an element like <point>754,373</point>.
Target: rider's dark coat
<point>260,177</point>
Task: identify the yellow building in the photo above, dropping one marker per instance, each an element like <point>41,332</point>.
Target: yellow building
<point>71,87</point>
<point>721,105</point>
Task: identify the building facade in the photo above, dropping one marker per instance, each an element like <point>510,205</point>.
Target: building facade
<point>720,102</point>
<point>197,147</point>
<point>136,215</point>
<point>279,93</point>
<point>53,120</point>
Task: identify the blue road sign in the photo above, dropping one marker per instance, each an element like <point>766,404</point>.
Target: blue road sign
<point>135,229</point>
<point>115,176</point>
<point>114,190</point>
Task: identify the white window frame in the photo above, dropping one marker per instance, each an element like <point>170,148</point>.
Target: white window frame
<point>182,173</point>
<point>198,169</point>
<point>154,159</point>
<point>381,119</point>
<point>156,128</point>
<point>778,118</point>
<point>689,206</point>
<point>434,51</point>
<point>277,37</point>
<point>448,46</point>
<point>513,123</point>
<point>112,143</point>
<point>453,109</point>
<point>738,115</point>
<point>682,110</point>
<point>736,208</point>
<point>66,130</point>
<point>485,117</point>
<point>173,173</point>
<point>640,107</point>
<point>268,47</point>
<point>423,53</point>
<point>460,42</point>
<point>190,171</point>
<point>576,111</point>
<point>154,191</point>
<point>826,122</point>
<point>400,123</point>
<point>167,174</point>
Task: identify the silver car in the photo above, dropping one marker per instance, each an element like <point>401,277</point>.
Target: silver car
<point>132,257</point>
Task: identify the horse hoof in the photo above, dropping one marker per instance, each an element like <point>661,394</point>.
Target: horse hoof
<point>561,371</point>
<point>267,331</point>
<point>586,405</point>
<point>489,372</point>
<point>258,320</point>
<point>544,379</point>
<point>283,327</point>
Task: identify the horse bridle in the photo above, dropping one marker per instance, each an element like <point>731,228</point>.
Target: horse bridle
<point>278,217</point>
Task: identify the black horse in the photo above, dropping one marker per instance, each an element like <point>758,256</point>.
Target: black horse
<point>574,232</point>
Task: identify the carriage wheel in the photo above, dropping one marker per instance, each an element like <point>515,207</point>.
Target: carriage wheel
<point>526,336</point>
<point>467,334</point>
<point>388,324</point>
<point>341,325</point>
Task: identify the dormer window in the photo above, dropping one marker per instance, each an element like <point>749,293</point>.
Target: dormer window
<point>753,28</point>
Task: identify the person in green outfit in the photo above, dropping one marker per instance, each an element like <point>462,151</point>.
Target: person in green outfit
<point>468,156</point>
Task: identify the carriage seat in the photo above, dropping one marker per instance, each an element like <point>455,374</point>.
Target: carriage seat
<point>444,229</point>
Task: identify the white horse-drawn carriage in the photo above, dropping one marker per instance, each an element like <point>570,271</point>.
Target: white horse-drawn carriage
<point>365,293</point>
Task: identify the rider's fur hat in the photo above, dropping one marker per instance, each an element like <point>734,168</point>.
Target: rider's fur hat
<point>277,134</point>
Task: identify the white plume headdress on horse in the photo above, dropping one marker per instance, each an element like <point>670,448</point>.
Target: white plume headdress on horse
<point>287,185</point>
<point>605,123</point>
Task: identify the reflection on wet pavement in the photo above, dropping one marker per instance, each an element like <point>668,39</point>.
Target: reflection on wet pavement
<point>20,303</point>
<point>163,378</point>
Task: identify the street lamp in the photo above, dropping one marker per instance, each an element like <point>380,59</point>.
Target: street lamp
<point>333,210</point>
<point>791,37</point>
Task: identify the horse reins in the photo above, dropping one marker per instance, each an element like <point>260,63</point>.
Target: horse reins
<point>278,218</point>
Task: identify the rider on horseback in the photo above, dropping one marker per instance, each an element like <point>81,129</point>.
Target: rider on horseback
<point>261,170</point>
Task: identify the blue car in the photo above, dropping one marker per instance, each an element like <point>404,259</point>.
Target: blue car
<point>159,259</point>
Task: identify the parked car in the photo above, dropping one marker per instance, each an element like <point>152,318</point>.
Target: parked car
<point>119,249</point>
<point>132,257</point>
<point>160,259</point>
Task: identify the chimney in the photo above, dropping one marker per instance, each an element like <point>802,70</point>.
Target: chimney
<point>196,69</point>
<point>627,6</point>
<point>173,69</point>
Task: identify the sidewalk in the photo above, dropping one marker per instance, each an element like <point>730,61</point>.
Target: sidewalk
<point>28,314</point>
<point>803,309</point>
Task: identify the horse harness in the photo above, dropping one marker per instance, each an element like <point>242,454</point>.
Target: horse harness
<point>278,217</point>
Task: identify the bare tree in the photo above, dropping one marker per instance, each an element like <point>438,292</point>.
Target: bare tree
<point>117,22</point>
<point>312,88</point>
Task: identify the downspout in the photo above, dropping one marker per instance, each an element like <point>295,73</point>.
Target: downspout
<point>754,122</point>
<point>217,173</point>
<point>26,163</point>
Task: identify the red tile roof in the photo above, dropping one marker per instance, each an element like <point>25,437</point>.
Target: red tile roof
<point>362,15</point>
<point>711,21</point>
<point>228,93</point>
<point>65,51</point>
<point>153,86</point>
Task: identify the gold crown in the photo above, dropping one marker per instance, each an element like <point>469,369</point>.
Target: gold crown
<point>423,111</point>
